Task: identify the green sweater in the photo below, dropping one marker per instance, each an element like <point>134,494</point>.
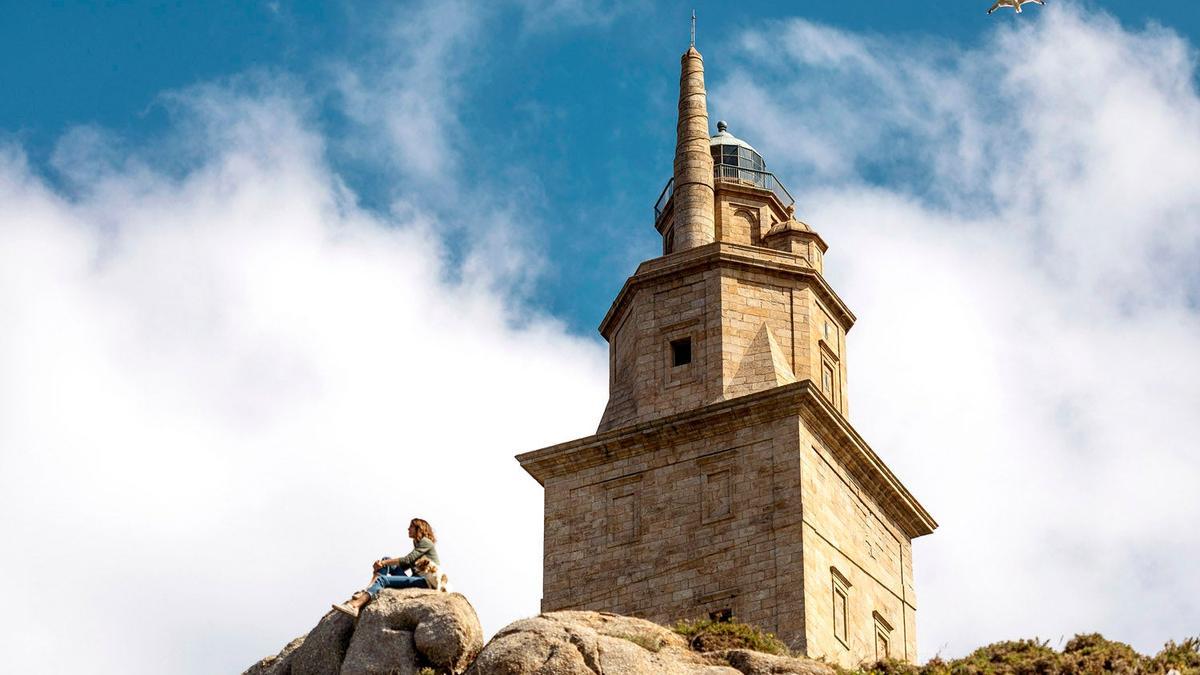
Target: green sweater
<point>421,549</point>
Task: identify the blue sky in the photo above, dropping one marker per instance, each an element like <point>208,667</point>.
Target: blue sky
<point>251,253</point>
<point>572,107</point>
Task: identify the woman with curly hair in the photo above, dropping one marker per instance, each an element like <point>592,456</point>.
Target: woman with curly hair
<point>395,572</point>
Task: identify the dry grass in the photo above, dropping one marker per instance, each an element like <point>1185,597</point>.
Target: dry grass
<point>652,643</point>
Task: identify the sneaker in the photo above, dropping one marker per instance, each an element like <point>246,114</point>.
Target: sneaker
<point>347,609</point>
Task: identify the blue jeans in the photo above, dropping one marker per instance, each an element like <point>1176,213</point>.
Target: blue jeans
<point>394,577</point>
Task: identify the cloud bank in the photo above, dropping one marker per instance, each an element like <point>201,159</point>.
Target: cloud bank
<point>225,387</point>
<point>1017,225</point>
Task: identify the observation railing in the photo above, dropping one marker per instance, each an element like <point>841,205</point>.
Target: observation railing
<point>726,172</point>
<point>663,198</point>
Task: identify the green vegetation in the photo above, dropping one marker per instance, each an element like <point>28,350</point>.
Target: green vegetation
<point>1087,653</point>
<point>1184,657</point>
<point>1083,654</point>
<point>707,635</point>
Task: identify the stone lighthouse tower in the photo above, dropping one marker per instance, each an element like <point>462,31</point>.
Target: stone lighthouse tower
<point>725,476</point>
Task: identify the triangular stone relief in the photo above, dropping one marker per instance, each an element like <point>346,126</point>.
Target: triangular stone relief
<point>762,366</point>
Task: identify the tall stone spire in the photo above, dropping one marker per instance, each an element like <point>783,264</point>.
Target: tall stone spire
<point>693,196</point>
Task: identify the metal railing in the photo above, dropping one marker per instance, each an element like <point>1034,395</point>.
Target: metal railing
<point>760,179</point>
<point>663,198</point>
<point>726,172</point>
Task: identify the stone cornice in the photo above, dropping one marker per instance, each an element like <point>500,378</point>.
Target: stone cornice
<point>718,253</point>
<point>865,465</point>
<point>801,398</point>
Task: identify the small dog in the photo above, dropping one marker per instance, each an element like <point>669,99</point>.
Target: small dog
<point>434,577</point>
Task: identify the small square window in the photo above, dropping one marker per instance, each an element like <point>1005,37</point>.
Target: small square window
<point>681,352</point>
<point>724,615</point>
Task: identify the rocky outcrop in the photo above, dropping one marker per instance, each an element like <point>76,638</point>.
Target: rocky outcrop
<point>397,634</point>
<point>589,643</point>
<point>405,632</point>
<point>595,643</point>
<point>756,663</point>
<point>402,632</point>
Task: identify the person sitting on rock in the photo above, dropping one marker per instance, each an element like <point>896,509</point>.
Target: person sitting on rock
<point>394,572</point>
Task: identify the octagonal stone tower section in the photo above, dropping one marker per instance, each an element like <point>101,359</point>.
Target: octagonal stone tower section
<point>717,322</point>
<point>725,476</point>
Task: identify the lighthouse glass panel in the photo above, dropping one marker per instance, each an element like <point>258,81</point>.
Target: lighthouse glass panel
<point>741,164</point>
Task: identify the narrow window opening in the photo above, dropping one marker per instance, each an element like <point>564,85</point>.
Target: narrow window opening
<point>681,352</point>
<point>841,609</point>
<point>882,645</point>
<point>839,613</point>
<point>721,615</point>
<point>883,637</point>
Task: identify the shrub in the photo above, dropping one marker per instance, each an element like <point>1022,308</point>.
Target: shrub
<point>1011,657</point>
<point>707,635</point>
<point>891,667</point>
<point>1083,654</point>
<point>1092,653</point>
<point>1184,657</point>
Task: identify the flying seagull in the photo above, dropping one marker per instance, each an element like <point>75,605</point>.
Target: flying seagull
<point>1015,4</point>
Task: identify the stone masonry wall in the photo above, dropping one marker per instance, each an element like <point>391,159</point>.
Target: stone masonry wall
<point>756,316</point>
<point>849,542</point>
<point>744,213</point>
<point>826,346</point>
<point>678,532</point>
<point>723,311</point>
<point>642,382</point>
<point>797,322</point>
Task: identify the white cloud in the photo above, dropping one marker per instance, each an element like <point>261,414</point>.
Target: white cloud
<point>1028,351</point>
<point>404,87</point>
<point>225,387</point>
